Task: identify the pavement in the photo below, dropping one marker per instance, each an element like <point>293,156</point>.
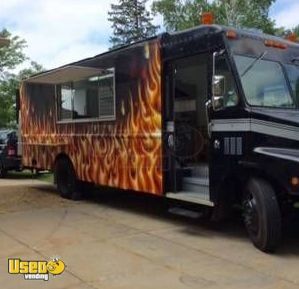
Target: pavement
<point>120,240</point>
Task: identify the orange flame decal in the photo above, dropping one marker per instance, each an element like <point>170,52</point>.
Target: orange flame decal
<point>126,154</point>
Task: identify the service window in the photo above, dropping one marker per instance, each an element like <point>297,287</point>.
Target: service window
<point>65,100</point>
<point>86,101</point>
<point>90,98</point>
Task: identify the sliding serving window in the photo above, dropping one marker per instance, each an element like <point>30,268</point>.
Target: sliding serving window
<point>91,98</point>
<point>65,102</point>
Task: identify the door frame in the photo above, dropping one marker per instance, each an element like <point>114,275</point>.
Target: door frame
<point>170,172</point>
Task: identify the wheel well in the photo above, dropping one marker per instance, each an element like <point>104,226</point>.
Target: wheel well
<point>235,182</point>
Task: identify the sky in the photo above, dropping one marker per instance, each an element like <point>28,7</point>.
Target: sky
<point>61,31</point>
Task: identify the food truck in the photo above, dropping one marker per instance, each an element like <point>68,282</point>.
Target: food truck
<point>209,115</point>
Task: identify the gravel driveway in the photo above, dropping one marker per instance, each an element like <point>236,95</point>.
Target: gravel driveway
<point>117,240</point>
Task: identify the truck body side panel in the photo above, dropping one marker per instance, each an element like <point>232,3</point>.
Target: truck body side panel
<point>125,153</point>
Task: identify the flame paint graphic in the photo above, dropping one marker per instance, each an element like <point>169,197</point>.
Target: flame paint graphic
<point>125,154</point>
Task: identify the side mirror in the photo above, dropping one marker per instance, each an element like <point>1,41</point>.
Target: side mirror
<point>218,90</point>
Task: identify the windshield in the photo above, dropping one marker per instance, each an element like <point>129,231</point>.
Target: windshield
<point>3,138</point>
<point>293,74</point>
<point>3,135</point>
<point>263,82</point>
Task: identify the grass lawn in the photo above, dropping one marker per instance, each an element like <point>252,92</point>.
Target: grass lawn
<point>26,174</point>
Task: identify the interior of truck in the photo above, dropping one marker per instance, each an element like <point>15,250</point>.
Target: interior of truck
<point>189,90</point>
<point>191,124</point>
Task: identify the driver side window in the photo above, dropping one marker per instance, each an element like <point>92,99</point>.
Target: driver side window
<point>230,96</point>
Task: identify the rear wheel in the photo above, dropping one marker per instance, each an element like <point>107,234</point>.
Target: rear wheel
<point>67,183</point>
<point>262,215</point>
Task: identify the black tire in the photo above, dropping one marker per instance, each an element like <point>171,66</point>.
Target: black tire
<point>3,171</point>
<point>66,180</point>
<point>85,189</point>
<point>262,215</point>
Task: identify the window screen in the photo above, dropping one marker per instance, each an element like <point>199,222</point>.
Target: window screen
<point>106,95</point>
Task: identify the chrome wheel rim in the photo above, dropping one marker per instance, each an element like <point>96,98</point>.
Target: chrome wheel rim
<point>250,214</point>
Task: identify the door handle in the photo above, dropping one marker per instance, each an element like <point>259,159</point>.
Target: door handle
<point>208,103</point>
<point>170,141</point>
<point>208,106</point>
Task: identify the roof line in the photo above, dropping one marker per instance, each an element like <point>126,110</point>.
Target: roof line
<point>245,32</point>
<point>112,51</point>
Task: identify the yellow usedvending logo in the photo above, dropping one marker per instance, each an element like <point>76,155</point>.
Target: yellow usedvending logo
<point>36,270</point>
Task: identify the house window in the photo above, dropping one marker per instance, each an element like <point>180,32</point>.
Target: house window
<point>90,98</point>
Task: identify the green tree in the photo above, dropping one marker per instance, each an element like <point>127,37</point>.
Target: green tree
<point>7,101</point>
<point>283,32</point>
<point>131,21</point>
<point>182,14</point>
<point>295,31</point>
<point>8,88</point>
<point>245,13</point>
<point>25,73</point>
<point>11,57</point>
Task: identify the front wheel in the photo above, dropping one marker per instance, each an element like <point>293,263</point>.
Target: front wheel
<point>262,215</point>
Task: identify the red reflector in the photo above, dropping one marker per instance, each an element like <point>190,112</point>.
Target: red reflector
<point>11,152</point>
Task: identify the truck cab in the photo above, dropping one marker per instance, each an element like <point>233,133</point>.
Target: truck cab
<point>232,124</point>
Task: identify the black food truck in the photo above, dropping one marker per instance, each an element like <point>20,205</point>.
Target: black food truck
<point>209,116</point>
